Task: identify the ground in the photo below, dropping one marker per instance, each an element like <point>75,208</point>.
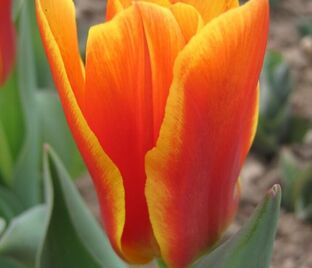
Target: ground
<point>293,245</point>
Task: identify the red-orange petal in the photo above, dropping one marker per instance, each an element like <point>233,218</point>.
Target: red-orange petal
<point>105,174</point>
<point>207,130</point>
<point>212,8</point>
<point>7,40</point>
<point>129,69</point>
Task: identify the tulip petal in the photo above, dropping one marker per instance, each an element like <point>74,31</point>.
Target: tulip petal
<point>113,7</point>
<point>107,178</point>
<point>60,18</point>
<point>189,20</point>
<point>7,40</point>
<point>212,8</point>
<point>129,70</point>
<point>207,130</point>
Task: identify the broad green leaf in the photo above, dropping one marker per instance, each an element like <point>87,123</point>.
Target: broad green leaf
<point>43,77</point>
<point>55,131</point>
<point>11,126</point>
<point>6,161</point>
<point>10,263</point>
<point>26,172</point>
<point>2,226</point>
<point>73,237</point>
<point>10,205</point>
<point>22,237</point>
<point>252,246</point>
<point>17,5</point>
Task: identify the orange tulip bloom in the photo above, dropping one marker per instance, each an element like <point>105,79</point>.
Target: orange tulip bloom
<point>164,112</point>
<point>7,40</point>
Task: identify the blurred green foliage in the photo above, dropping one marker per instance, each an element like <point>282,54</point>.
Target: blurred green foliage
<point>278,124</point>
<point>30,115</point>
<point>296,174</point>
<point>274,3</point>
<point>305,26</point>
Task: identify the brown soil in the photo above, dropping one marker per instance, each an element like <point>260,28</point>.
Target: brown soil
<point>293,246</point>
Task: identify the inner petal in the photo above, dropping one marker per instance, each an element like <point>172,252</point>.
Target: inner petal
<point>128,74</point>
<point>210,9</point>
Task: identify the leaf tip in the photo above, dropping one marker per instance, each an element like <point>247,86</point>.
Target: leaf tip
<point>46,147</point>
<point>275,191</point>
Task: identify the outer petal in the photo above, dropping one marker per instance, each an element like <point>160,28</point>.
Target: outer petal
<point>129,70</point>
<point>106,176</point>
<point>206,133</point>
<point>7,40</point>
<point>60,19</point>
<point>211,8</point>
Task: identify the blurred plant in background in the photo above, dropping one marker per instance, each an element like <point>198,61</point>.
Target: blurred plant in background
<point>305,27</point>
<point>296,169</point>
<point>278,124</point>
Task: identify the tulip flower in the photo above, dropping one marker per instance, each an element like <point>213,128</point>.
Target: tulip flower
<point>7,40</point>
<point>164,111</point>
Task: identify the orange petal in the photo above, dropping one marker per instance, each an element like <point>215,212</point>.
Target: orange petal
<point>207,130</point>
<point>106,176</point>
<point>115,6</point>
<point>60,18</point>
<point>129,70</point>
<point>188,18</point>
<point>7,40</point>
<point>212,8</point>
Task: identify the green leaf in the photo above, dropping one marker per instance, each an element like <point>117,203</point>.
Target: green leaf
<point>17,5</point>
<point>73,238</point>
<point>6,161</point>
<point>10,263</point>
<point>55,131</point>
<point>252,246</point>
<point>10,205</point>
<point>21,239</point>
<point>27,170</point>
<point>43,77</point>
<point>2,225</point>
<point>11,127</point>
